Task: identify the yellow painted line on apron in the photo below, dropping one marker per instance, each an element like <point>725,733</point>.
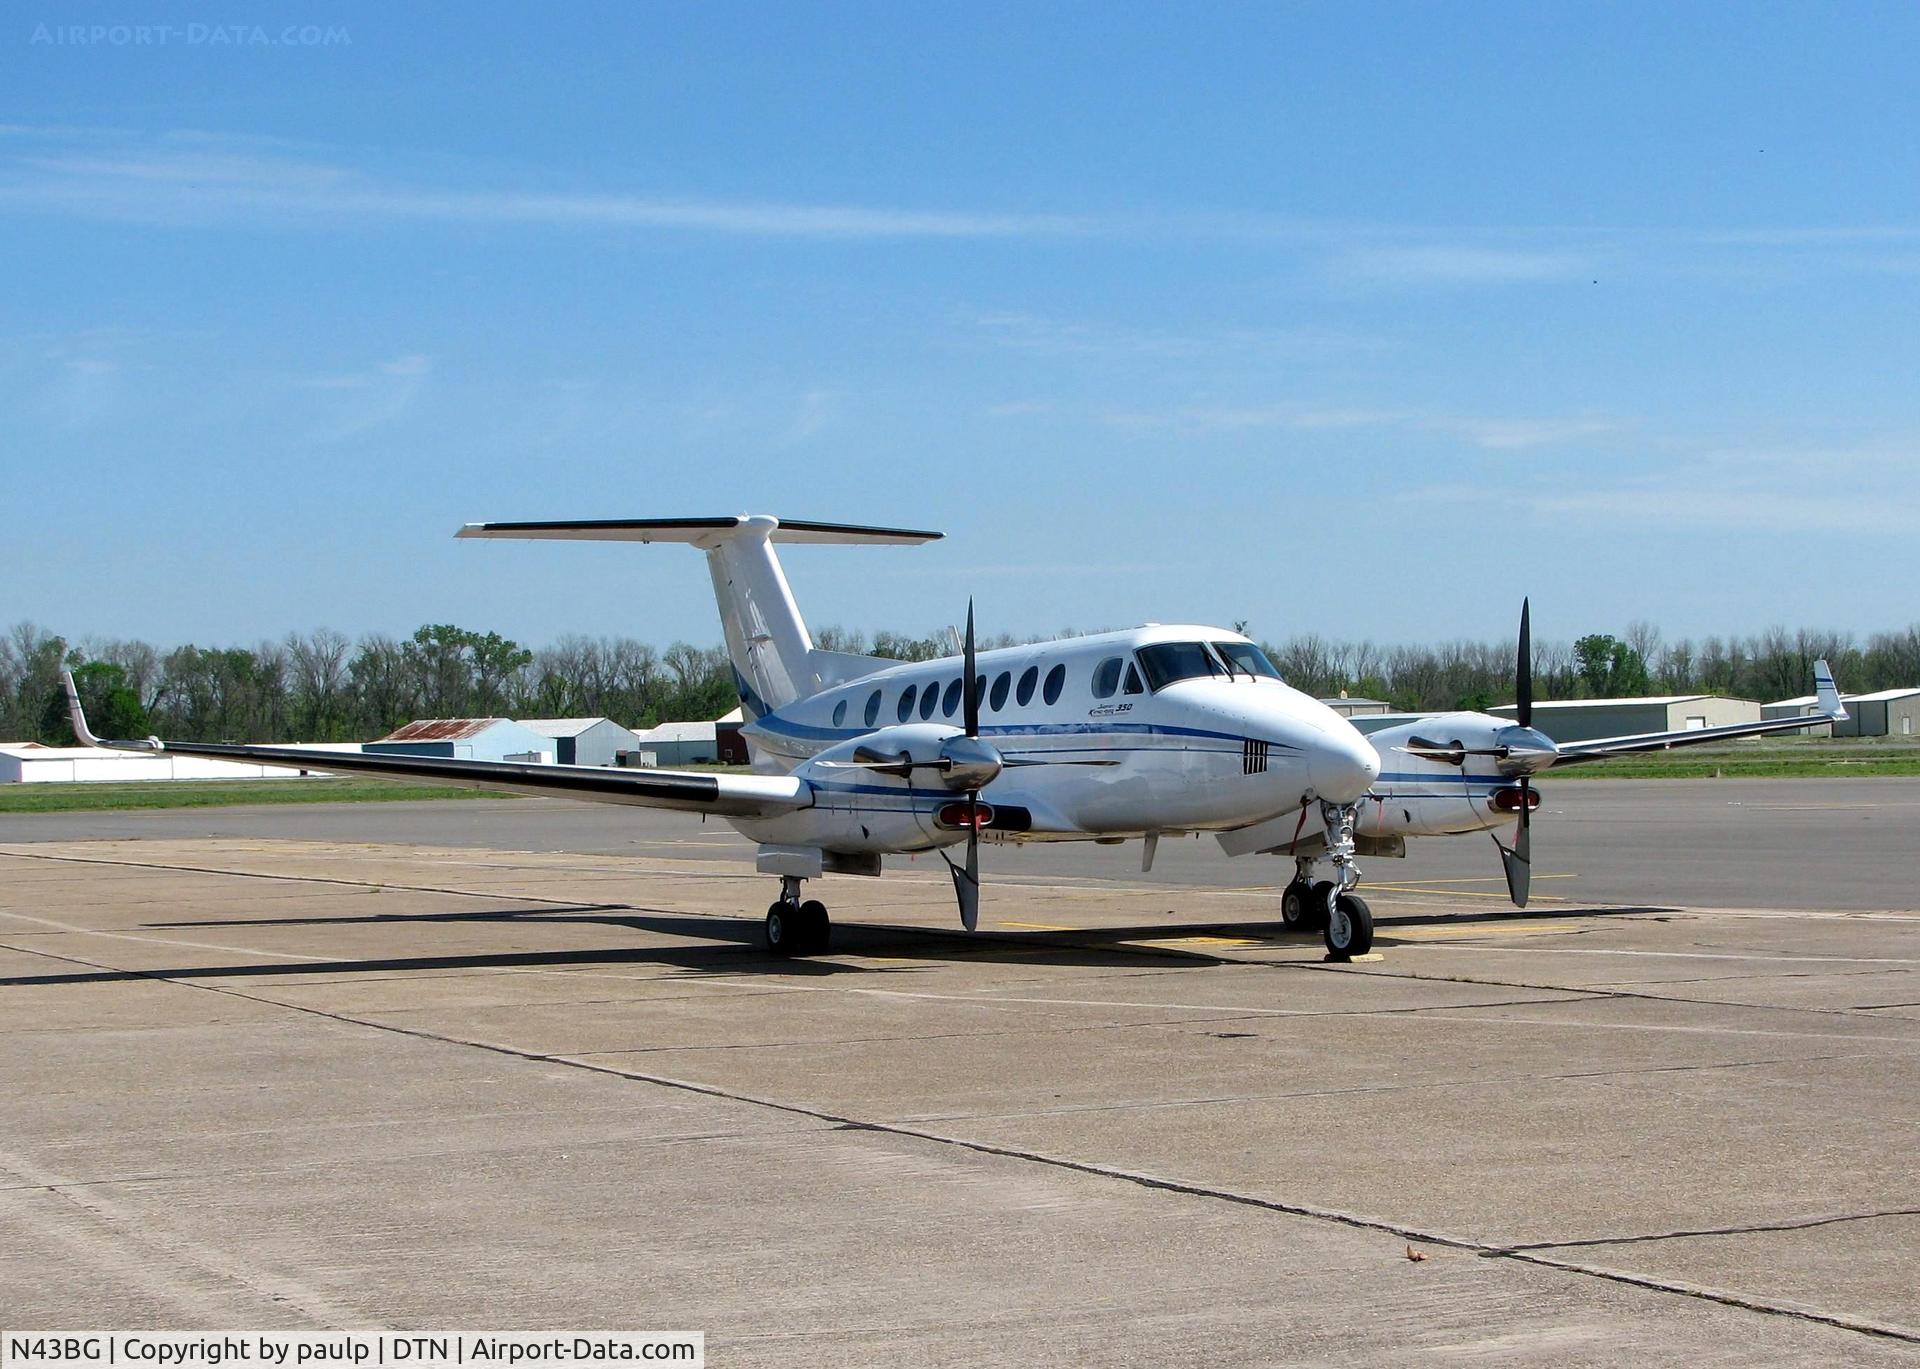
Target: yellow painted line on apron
<point>1477,929</point>
<point>1451,893</point>
<point>1471,879</point>
<point>1039,926</point>
<point>1203,941</point>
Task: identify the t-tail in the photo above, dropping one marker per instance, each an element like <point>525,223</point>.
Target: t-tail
<point>774,659</point>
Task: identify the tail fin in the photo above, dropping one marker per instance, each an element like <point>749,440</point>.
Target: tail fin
<point>774,658</point>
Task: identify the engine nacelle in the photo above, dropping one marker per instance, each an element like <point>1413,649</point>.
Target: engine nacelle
<point>920,755</point>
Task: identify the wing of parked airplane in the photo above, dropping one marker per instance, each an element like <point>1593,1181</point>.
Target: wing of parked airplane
<point>753,796</point>
<point>1827,701</point>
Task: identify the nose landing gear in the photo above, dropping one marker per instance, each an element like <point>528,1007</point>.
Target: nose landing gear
<point>1331,906</point>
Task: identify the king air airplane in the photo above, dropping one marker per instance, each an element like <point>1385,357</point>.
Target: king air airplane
<point>1146,733</point>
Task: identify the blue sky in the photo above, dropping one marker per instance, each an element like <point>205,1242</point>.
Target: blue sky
<point>1355,319</point>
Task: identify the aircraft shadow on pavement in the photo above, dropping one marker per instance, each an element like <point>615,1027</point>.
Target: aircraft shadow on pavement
<point>723,941</point>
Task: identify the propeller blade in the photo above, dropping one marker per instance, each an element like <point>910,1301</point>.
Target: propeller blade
<point>966,878</point>
<point>1523,669</point>
<point>1518,861</point>
<point>970,688</point>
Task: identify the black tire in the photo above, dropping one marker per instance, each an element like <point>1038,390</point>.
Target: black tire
<point>1319,899</point>
<point>1350,929</point>
<point>783,930</point>
<point>815,927</point>
<point>1293,905</point>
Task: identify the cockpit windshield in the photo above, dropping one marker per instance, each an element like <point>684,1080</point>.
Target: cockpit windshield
<point>1248,657</point>
<point>1170,661</point>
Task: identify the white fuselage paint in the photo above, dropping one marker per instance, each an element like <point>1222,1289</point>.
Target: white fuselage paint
<point>1201,754</point>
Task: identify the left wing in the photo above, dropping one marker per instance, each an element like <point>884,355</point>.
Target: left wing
<point>1827,696</point>
<point>743,796</point>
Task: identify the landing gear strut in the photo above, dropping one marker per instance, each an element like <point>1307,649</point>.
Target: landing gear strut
<point>794,927</point>
<point>1330,906</point>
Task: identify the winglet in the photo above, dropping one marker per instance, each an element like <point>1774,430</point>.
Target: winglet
<point>77,716</point>
<point>1827,693</point>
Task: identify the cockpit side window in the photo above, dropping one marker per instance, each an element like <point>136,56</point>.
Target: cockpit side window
<point>1168,662</point>
<point>1133,685</point>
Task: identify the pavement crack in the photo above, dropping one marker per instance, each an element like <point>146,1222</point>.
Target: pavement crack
<point>1752,1229</point>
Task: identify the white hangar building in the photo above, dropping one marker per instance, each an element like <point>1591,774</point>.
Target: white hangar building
<point>584,741</point>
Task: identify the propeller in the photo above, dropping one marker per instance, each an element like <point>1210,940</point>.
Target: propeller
<point>966,879</point>
<point>1517,859</point>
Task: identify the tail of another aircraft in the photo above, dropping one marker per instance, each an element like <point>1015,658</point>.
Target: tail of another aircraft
<point>774,659</point>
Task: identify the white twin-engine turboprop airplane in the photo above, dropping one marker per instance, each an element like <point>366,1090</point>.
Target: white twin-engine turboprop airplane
<point>1150,732</point>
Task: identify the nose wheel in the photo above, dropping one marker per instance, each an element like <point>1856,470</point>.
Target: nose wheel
<point>1349,928</point>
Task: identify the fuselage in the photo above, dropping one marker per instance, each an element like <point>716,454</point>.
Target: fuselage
<point>1156,729</point>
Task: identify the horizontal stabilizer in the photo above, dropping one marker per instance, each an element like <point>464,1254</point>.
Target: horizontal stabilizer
<point>703,532</point>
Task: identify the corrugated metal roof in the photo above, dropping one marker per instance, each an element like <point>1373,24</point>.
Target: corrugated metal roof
<point>442,729</point>
<point>563,727</point>
<point>1883,696</point>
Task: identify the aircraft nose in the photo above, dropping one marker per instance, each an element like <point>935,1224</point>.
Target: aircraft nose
<point>1343,766</point>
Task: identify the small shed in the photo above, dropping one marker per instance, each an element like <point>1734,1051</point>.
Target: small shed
<point>1355,708</point>
<point>466,739</point>
<point>584,741</point>
<point>1583,720</point>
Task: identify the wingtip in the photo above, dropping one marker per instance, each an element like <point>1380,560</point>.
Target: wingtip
<point>76,715</point>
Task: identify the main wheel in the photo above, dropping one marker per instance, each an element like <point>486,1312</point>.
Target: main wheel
<point>1349,928</point>
<point>783,929</point>
<point>816,929</point>
<point>1293,905</point>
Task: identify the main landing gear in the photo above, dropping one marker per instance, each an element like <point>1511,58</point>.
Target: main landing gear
<point>1330,906</point>
<point>796,928</point>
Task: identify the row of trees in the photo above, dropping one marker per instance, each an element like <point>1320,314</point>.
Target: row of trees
<point>321,686</point>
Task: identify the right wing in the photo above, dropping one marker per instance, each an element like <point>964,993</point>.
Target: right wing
<point>1827,700</point>
<point>732,796</point>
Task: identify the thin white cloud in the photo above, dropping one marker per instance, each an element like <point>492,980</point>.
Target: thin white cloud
<point>1456,265</point>
<point>383,395</point>
<point>169,184</point>
<point>190,178</point>
<point>1491,434</point>
<point>1075,338</point>
<point>1817,490</point>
